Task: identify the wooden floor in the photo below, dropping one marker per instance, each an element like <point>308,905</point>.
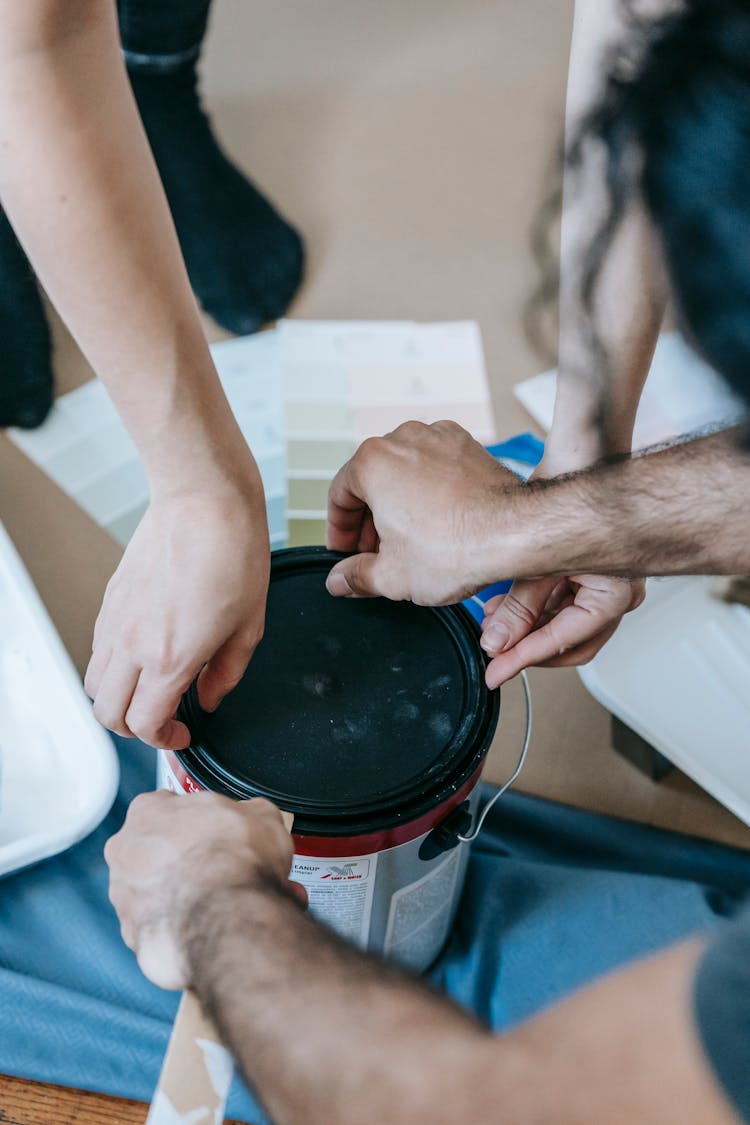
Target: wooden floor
<point>37,1103</point>
<point>33,1103</point>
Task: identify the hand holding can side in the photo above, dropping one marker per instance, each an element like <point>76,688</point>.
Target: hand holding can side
<point>173,854</point>
<point>420,506</point>
<point>554,622</point>
<point>557,621</point>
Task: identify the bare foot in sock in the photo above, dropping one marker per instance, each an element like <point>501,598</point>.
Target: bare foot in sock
<point>245,262</point>
<point>25,347</point>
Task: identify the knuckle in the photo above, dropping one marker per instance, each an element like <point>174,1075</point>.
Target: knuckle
<point>128,638</point>
<point>224,812</point>
<point>261,806</point>
<point>517,610</point>
<point>638,597</point>
<point>370,450</point>
<point>167,662</point>
<point>143,725</point>
<point>109,717</point>
<point>216,802</point>
<point>112,849</point>
<point>162,665</point>
<point>412,428</point>
<point>140,807</point>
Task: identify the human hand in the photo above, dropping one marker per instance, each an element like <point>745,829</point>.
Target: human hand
<point>188,597</point>
<point>554,622</point>
<point>419,507</point>
<point>172,853</point>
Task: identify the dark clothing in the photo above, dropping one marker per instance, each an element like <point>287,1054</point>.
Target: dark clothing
<point>156,31</point>
<point>722,1006</point>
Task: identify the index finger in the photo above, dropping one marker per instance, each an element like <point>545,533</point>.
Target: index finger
<point>572,627</point>
<point>348,510</point>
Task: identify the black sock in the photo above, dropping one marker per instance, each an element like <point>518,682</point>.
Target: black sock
<point>244,261</point>
<point>25,347</point>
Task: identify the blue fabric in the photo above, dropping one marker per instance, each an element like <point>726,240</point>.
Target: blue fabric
<point>722,1007</point>
<point>553,898</point>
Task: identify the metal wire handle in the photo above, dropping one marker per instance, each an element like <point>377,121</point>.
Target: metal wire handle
<point>516,771</point>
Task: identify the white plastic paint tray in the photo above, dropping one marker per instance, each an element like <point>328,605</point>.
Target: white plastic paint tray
<point>59,770</point>
<point>677,672</point>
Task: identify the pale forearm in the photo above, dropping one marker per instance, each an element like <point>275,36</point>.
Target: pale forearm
<point>596,401</point>
<point>326,1035</point>
<point>81,188</point>
<point>682,510</point>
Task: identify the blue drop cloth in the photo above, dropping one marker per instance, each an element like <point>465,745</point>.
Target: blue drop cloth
<point>553,898</point>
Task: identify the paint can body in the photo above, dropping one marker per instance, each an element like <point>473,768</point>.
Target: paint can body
<point>398,900</point>
<point>375,741</point>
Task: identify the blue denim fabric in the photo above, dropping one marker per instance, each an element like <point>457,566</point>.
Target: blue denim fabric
<point>553,897</point>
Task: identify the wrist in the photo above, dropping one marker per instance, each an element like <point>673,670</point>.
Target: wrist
<point>549,526</point>
<point>218,472</point>
<point>569,455</point>
<point>189,436</point>
<point>590,422</point>
<point>510,546</point>
<point>218,917</point>
<point>570,449</point>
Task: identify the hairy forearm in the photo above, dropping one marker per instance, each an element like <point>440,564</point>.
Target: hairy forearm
<point>326,1035</point>
<point>329,1036</point>
<point>681,510</point>
<point>80,186</point>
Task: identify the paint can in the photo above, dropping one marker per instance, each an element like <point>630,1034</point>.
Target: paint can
<point>370,721</point>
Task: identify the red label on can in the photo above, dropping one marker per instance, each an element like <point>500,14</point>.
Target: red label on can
<point>176,778</point>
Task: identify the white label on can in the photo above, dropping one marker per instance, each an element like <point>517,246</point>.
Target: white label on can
<point>421,912</point>
<point>340,892</point>
<point>165,778</point>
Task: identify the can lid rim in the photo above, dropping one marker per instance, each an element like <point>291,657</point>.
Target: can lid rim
<point>461,758</point>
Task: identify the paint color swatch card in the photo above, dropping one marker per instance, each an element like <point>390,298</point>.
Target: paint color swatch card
<point>682,394</point>
<point>85,449</point>
<point>345,381</point>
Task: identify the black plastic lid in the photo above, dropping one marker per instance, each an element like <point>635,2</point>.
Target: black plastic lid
<point>355,714</point>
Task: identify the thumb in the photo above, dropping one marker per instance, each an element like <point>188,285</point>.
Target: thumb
<point>355,577</point>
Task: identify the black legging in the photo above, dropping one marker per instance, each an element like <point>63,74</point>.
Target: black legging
<point>162,30</point>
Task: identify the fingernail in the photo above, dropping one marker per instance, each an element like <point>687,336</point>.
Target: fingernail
<point>337,584</point>
<point>495,638</point>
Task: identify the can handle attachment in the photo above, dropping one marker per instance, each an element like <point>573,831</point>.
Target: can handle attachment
<point>197,1069</point>
<point>519,766</point>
